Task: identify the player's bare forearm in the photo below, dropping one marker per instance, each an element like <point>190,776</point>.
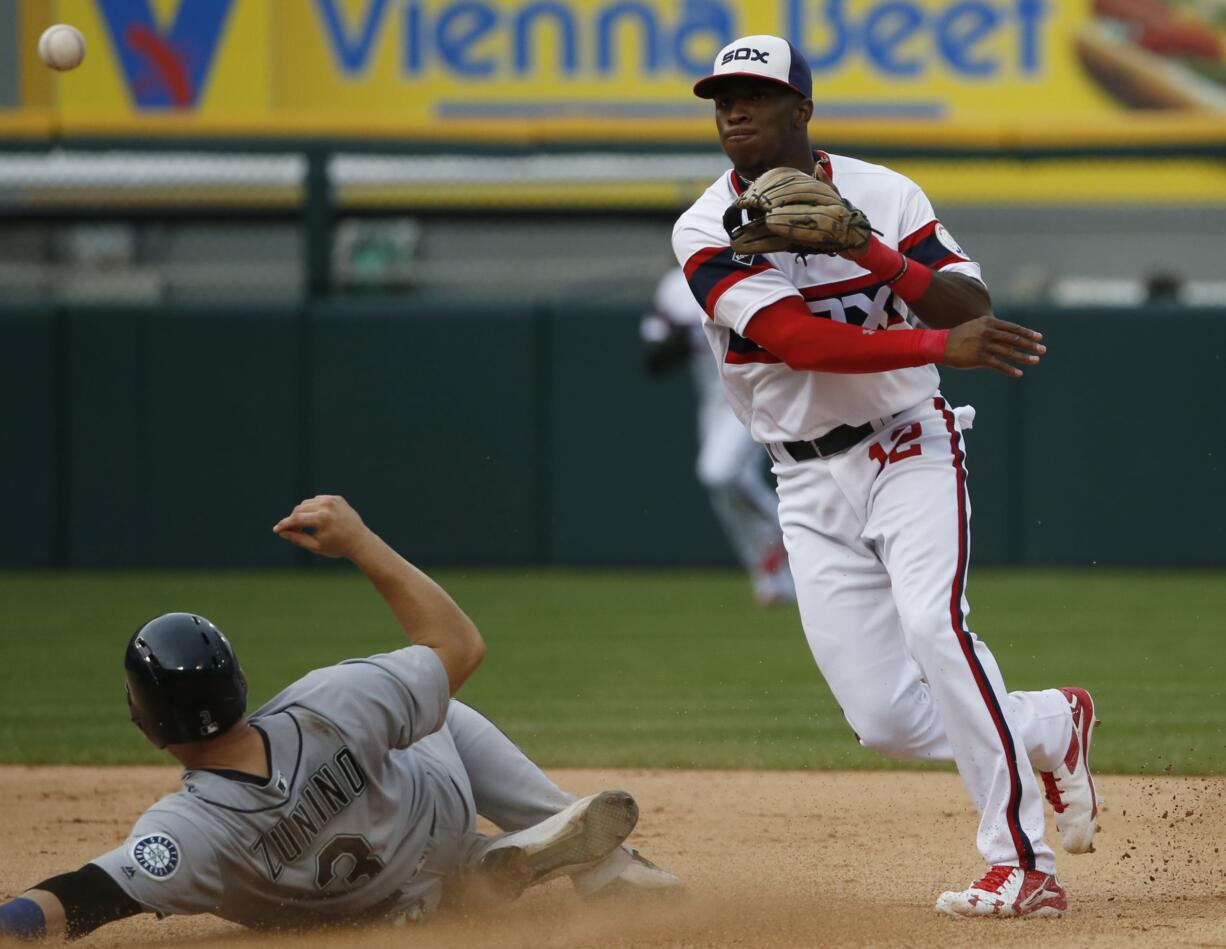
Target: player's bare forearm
<point>951,300</point>
<point>942,300</point>
<point>327,525</point>
<point>428,615</point>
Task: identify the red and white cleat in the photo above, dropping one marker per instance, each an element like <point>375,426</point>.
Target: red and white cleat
<point>1070,788</point>
<point>1007,892</point>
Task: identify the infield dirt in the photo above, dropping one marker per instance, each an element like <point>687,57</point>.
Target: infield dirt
<point>770,859</point>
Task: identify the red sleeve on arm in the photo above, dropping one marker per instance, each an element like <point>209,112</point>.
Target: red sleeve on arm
<point>787,329</point>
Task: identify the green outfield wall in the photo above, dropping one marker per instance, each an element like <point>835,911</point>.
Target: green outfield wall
<point>475,434</point>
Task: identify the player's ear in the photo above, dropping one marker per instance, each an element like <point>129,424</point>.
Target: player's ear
<point>802,114</point>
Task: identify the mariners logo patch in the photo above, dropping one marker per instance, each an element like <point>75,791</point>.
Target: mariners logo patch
<point>157,855</point>
<point>947,241</point>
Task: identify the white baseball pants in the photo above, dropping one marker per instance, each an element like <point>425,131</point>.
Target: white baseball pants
<point>879,540</point>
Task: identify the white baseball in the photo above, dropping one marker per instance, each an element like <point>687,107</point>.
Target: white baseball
<point>61,47</point>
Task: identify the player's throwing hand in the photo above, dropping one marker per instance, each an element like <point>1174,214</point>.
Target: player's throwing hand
<point>992,343</point>
<point>324,524</point>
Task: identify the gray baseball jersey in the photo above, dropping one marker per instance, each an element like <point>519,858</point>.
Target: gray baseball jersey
<point>367,809</point>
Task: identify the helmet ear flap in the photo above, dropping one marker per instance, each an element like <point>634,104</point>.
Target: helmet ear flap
<point>132,711</point>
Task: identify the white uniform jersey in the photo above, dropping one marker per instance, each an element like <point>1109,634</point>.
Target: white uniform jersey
<point>779,404</point>
<point>352,822</point>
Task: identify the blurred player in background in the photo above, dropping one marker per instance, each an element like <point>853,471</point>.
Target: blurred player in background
<point>729,462</point>
<point>352,795</point>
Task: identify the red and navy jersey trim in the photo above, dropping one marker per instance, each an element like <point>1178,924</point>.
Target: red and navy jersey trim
<point>823,291</point>
<point>713,271</point>
<point>742,351</point>
<point>1013,807</point>
<point>924,247</point>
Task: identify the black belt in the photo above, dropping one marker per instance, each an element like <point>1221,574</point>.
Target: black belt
<point>832,443</point>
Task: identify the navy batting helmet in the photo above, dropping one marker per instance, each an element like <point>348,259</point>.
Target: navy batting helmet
<point>183,680</point>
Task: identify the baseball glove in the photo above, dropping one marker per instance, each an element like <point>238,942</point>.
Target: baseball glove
<point>791,211</point>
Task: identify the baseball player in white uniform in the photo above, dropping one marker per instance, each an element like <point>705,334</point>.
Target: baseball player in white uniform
<point>830,361</point>
<point>351,795</point>
<point>729,461</point>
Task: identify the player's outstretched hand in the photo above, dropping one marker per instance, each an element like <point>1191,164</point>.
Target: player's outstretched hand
<point>995,344</point>
<point>324,524</point>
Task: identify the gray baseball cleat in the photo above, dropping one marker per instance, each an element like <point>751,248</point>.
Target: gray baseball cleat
<point>623,872</point>
<point>574,839</point>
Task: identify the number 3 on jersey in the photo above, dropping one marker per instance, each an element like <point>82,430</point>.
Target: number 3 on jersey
<point>899,437</point>
<point>348,856</point>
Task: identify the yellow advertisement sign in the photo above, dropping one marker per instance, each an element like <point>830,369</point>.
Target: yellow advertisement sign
<point>936,72</point>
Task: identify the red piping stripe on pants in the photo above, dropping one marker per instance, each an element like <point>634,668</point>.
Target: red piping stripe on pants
<point>1025,852</point>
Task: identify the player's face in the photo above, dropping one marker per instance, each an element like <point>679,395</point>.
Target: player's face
<point>760,123</point>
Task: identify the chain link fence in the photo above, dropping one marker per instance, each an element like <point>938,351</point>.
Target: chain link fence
<point>237,223</point>
<point>137,226</point>
<point>150,227</point>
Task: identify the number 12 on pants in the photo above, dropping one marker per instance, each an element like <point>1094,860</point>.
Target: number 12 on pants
<point>899,438</point>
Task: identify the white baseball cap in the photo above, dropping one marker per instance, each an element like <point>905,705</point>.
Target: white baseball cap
<point>760,57</point>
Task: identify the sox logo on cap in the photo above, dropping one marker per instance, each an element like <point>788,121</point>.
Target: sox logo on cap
<point>760,57</point>
<point>745,52</point>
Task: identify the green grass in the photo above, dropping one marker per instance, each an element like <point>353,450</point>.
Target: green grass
<point>627,668</point>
